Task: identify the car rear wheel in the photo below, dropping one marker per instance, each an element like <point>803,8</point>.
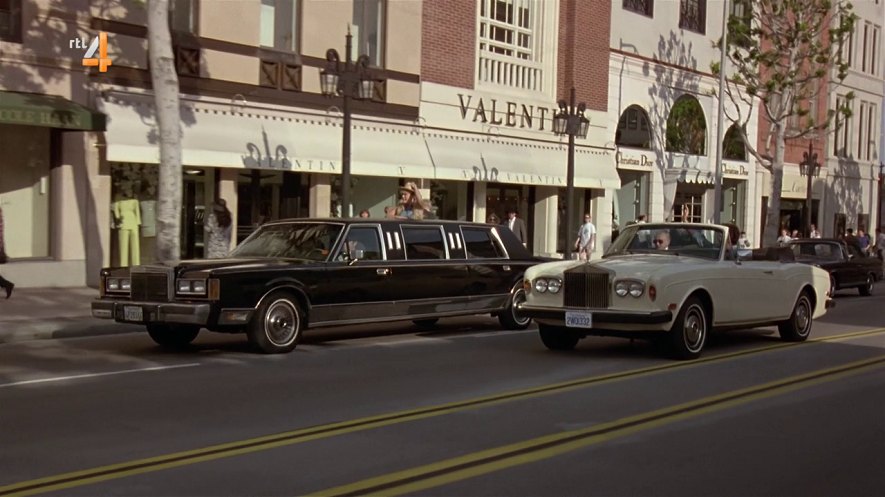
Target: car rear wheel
<point>689,332</point>
<point>867,288</point>
<point>173,336</point>
<point>277,326</point>
<point>509,317</point>
<point>798,327</point>
<point>557,337</point>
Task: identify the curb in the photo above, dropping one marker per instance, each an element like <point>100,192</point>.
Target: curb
<point>21,330</point>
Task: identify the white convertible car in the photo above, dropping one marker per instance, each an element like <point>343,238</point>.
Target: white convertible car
<point>673,281</point>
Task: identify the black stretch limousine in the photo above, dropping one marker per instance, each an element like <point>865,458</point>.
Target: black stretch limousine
<point>294,274</point>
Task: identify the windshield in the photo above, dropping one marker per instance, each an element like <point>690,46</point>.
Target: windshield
<point>309,241</point>
<point>669,239</point>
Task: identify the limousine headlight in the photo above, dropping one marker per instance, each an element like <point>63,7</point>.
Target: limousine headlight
<point>634,288</point>
<point>118,284</point>
<point>552,285</point>
<point>191,287</point>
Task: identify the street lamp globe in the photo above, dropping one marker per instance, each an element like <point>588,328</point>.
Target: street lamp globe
<point>367,89</point>
<point>583,127</point>
<point>560,123</point>
<point>328,83</point>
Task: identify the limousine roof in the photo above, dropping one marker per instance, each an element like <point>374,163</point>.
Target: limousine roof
<point>374,220</point>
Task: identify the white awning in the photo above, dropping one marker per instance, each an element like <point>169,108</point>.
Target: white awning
<point>220,136</point>
<point>690,175</point>
<point>480,158</point>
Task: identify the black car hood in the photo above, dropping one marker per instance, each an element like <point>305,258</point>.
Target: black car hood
<point>219,266</point>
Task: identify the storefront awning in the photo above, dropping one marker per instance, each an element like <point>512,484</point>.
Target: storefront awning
<point>51,111</point>
<point>479,158</point>
<point>693,176</point>
<point>218,136</point>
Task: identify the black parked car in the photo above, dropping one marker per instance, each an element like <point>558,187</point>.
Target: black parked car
<point>294,274</point>
<point>848,266</point>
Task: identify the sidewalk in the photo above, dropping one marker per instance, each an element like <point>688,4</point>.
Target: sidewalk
<point>40,313</point>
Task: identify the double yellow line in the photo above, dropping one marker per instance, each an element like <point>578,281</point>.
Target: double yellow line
<point>177,459</point>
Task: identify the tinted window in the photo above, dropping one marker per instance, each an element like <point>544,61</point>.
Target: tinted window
<point>362,238</point>
<point>311,241</point>
<point>480,245</point>
<point>424,243</point>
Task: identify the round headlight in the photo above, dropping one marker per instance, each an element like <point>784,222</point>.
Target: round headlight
<point>554,285</point>
<point>540,285</point>
<point>621,288</point>
<point>636,289</point>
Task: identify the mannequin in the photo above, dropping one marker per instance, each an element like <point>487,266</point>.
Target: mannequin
<point>127,217</point>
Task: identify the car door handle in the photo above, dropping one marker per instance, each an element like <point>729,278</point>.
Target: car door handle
<point>505,268</point>
<point>383,271</point>
<point>768,272</point>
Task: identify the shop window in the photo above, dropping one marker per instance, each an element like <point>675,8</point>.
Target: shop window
<point>733,145</point>
<point>480,244</point>
<point>424,243</point>
<point>686,127</point>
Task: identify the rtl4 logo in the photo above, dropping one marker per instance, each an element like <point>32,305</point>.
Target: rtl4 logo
<point>99,44</point>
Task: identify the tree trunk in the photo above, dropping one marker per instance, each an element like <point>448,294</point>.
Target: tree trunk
<point>165,84</point>
<point>773,218</point>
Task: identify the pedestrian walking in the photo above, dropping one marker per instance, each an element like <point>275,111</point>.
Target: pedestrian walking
<point>586,242</point>
<point>516,225</point>
<point>4,283</point>
<point>814,232</point>
<point>218,228</point>
<point>880,243</point>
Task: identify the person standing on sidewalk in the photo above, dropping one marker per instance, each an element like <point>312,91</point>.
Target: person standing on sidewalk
<point>586,242</point>
<point>4,283</point>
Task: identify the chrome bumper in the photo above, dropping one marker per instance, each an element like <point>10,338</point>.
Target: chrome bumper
<point>602,316</point>
<point>153,312</point>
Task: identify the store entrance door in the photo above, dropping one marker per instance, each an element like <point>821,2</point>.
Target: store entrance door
<point>193,209</point>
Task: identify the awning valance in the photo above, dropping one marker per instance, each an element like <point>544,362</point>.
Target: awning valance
<point>50,111</point>
<point>480,158</point>
<point>218,136</point>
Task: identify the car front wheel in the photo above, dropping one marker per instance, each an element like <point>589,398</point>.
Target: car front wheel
<point>277,326</point>
<point>173,336</point>
<point>689,332</point>
<point>798,327</point>
<point>509,317</point>
<point>557,337</point>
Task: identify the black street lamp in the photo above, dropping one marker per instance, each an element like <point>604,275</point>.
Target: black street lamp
<point>348,79</point>
<point>809,167</point>
<point>570,121</point>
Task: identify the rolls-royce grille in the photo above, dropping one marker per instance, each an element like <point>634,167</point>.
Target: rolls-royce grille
<point>149,287</point>
<point>589,290</point>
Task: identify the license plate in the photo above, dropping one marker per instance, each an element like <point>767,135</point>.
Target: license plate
<point>577,319</point>
<point>133,313</point>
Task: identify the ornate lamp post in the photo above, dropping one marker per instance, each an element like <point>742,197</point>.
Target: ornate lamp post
<point>809,167</point>
<point>348,79</point>
<point>570,121</point>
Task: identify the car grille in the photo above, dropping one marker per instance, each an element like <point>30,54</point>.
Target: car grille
<point>148,287</point>
<point>587,289</point>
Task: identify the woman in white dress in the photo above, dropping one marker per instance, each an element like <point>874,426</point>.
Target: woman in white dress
<point>218,230</point>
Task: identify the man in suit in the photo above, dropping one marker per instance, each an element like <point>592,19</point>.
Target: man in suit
<point>517,226</point>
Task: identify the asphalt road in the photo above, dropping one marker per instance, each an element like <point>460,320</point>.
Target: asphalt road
<point>460,410</point>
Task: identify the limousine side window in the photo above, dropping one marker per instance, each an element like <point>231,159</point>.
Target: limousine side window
<point>424,242</point>
<point>480,244</point>
<point>362,238</point>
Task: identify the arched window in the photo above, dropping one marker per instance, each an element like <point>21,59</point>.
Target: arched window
<point>633,129</point>
<point>686,127</point>
<point>733,145</point>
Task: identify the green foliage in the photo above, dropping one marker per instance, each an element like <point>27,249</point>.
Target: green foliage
<point>686,127</point>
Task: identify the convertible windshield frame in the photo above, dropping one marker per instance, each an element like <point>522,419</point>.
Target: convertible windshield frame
<point>682,239</point>
<point>308,240</point>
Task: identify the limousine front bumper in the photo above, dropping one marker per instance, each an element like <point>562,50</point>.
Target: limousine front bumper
<point>151,312</point>
<point>602,317</point>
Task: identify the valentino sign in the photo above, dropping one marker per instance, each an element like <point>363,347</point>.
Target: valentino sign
<point>509,114</point>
